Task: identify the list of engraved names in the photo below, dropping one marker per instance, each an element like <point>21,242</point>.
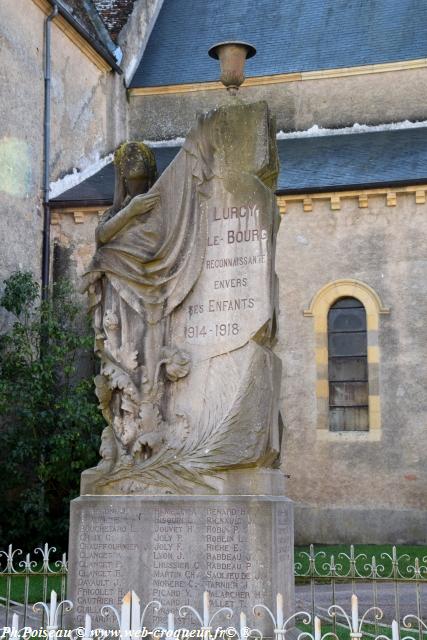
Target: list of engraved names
<point>185,549</point>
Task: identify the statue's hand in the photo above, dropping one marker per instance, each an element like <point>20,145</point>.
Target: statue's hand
<point>139,204</point>
<point>143,203</point>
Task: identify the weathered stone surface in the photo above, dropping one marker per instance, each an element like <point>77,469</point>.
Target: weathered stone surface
<point>184,294</point>
<point>83,126</point>
<point>352,488</point>
<point>373,525</point>
<point>172,548</point>
<point>260,481</point>
<point>134,35</point>
<point>325,102</point>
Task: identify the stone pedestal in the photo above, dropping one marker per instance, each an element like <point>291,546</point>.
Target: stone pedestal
<point>173,548</point>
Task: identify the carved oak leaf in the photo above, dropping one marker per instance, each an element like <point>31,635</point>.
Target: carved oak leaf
<point>118,379</point>
<point>122,361</point>
<point>150,417</point>
<point>103,393</point>
<point>128,359</point>
<point>177,363</point>
<point>102,390</point>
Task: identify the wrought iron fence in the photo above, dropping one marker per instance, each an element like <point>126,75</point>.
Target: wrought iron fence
<point>388,579</point>
<point>130,622</point>
<point>24,579</point>
<point>395,582</point>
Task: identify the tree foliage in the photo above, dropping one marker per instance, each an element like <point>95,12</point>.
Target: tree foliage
<point>49,420</point>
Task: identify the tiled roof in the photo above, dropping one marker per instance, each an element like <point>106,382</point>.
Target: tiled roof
<point>85,13</point>
<point>99,188</point>
<point>114,13</point>
<point>343,161</point>
<point>80,13</point>
<point>290,36</point>
<point>308,164</point>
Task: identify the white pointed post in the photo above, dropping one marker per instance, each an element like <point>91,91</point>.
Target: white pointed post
<point>355,632</point>
<point>14,629</point>
<point>205,618</point>
<point>125,616</point>
<point>88,627</point>
<point>52,612</point>
<point>171,623</point>
<point>135,617</point>
<point>161,633</point>
<point>52,609</point>
<point>279,617</point>
<point>395,635</point>
<point>244,632</point>
<point>317,628</point>
<point>243,626</point>
<point>206,608</point>
<point>354,613</point>
<point>206,615</point>
<point>52,626</point>
<point>353,623</point>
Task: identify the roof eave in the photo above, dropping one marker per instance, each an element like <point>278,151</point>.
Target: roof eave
<point>106,202</point>
<point>352,186</point>
<point>97,46</point>
<point>80,204</point>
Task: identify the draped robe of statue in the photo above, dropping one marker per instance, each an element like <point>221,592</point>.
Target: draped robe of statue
<point>189,394</point>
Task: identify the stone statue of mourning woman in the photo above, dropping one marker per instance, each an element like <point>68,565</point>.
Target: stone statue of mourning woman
<point>128,282</point>
<point>183,294</point>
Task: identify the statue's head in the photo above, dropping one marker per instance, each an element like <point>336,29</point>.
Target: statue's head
<point>136,170</point>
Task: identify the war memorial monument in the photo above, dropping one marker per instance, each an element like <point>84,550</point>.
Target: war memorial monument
<point>188,495</point>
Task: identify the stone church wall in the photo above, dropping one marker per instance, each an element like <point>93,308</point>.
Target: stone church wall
<point>357,487</point>
<point>84,125</point>
<point>372,98</point>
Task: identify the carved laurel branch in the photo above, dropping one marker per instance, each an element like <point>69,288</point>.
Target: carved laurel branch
<point>218,445</point>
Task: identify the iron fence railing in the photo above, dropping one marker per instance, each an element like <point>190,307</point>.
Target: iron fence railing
<point>25,579</point>
<point>394,581</point>
<point>199,620</point>
<point>388,579</point>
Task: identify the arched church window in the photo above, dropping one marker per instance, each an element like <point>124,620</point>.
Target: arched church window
<point>346,316</point>
<point>348,366</point>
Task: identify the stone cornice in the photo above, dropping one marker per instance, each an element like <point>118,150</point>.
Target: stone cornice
<point>307,201</point>
<point>335,198</point>
<point>79,213</point>
<point>302,76</point>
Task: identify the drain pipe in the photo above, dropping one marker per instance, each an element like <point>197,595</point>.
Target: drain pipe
<point>46,152</point>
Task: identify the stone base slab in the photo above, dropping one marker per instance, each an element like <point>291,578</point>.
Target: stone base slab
<point>173,548</point>
<point>254,482</point>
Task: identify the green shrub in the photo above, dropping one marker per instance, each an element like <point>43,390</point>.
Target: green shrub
<point>49,421</point>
